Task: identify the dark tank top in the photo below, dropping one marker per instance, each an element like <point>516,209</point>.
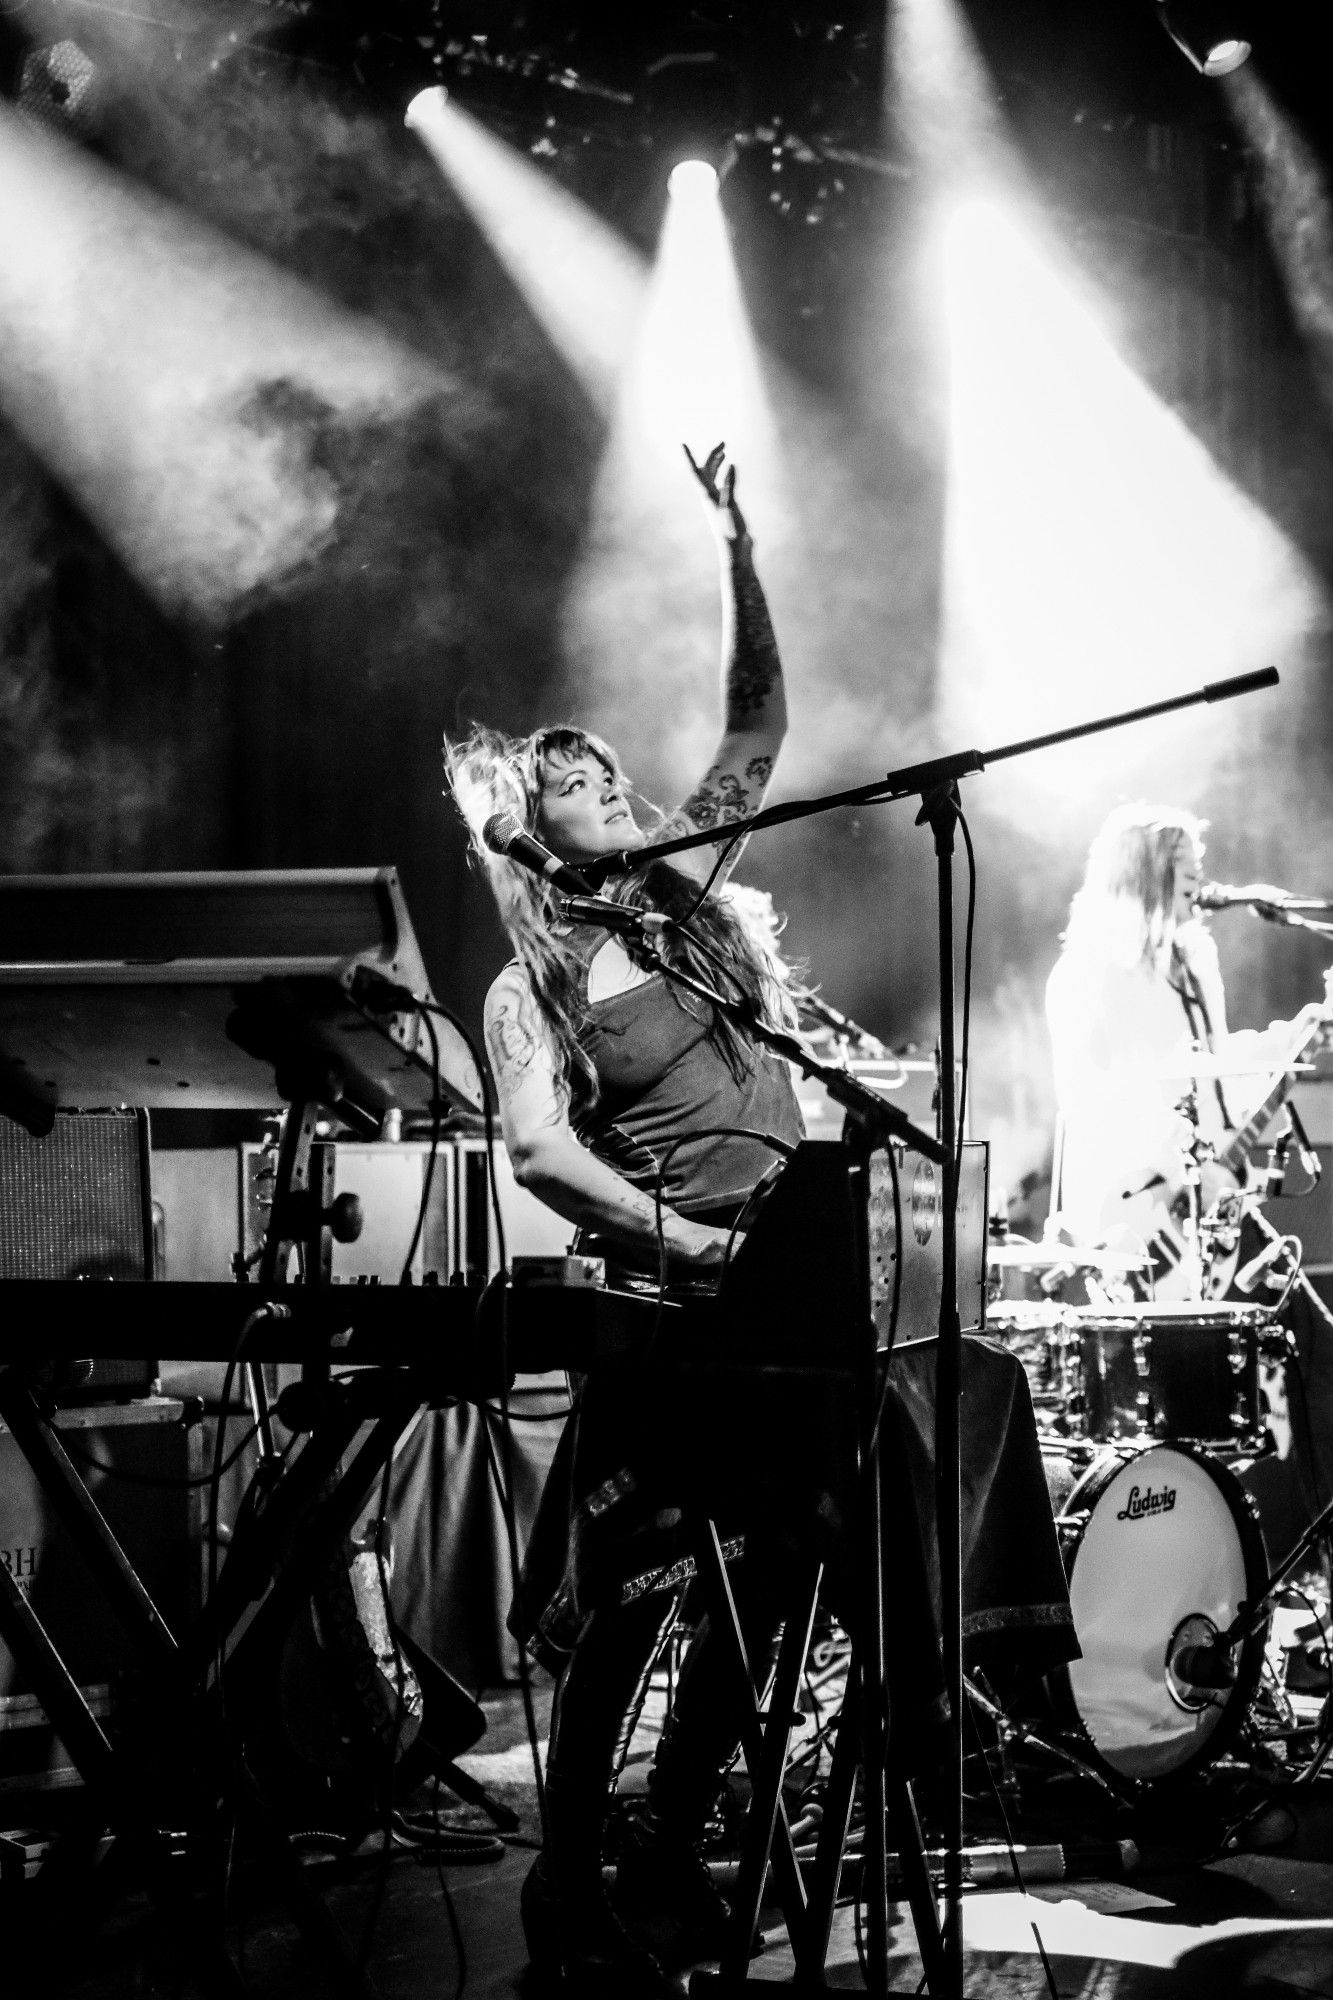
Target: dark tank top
<point>663,1080</point>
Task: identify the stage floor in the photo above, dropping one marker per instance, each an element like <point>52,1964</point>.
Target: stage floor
<point>1256,1922</point>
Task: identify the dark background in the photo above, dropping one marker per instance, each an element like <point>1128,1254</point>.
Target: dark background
<point>251,702</point>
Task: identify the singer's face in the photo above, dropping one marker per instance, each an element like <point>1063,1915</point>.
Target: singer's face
<point>584,811</point>
<point>1189,875</point>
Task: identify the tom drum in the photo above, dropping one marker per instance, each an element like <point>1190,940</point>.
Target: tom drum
<point>1168,1369</point>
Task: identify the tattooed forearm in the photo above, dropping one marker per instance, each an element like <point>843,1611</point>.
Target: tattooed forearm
<point>510,1040</point>
<point>753,668</point>
<point>721,797</point>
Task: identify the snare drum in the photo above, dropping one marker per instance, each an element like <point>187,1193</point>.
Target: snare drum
<point>1168,1369</point>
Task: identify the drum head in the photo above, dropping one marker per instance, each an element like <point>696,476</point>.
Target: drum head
<point>1169,1543</point>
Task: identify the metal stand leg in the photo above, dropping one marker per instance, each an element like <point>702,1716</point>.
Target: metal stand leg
<point>809,1916</point>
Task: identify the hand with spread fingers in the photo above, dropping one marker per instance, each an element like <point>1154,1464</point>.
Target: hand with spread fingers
<point>717,479</point>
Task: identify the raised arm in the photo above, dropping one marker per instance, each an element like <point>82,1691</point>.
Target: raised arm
<point>754,706</point>
<point>546,1156</point>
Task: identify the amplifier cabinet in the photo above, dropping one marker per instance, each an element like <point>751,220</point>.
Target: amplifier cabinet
<point>389,1180</point>
<point>78,1204</point>
<point>531,1229</point>
<point>158,1521</point>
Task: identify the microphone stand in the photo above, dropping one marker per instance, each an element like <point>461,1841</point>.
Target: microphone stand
<point>847,1031</point>
<point>935,783</point>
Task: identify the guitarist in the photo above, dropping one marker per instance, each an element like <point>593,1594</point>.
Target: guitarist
<point>1136,1009</point>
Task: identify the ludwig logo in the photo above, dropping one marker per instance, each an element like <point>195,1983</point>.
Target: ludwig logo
<point>925,1202</point>
<point>1147,1502</point>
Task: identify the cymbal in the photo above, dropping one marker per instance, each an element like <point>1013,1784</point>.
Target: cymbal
<point>1203,1063</point>
<point>1015,1255</point>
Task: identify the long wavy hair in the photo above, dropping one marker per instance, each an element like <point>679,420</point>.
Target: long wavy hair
<point>1124,914</point>
<point>734,933</point>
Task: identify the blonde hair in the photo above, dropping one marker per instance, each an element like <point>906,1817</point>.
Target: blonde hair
<point>1124,913</point>
<point>492,773</point>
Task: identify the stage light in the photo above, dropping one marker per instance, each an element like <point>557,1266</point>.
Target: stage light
<point>56,88</point>
<point>424,106</point>
<point>693,180</point>
<point>1205,34</point>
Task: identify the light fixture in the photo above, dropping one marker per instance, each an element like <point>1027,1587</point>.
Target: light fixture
<point>693,180</point>
<point>1205,33</point>
<point>425,107</point>
<point>56,88</point>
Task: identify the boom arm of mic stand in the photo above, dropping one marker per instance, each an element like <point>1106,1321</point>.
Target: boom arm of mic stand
<point>919,780</point>
<point>909,782</point>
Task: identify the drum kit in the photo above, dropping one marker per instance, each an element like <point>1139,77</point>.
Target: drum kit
<point>1149,1412</point>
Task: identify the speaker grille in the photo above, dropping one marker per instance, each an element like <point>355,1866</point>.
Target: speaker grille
<point>75,1204</point>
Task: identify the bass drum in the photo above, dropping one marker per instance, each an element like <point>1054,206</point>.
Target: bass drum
<point>1161,1545</point>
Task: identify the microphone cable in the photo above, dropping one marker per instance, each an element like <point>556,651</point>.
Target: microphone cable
<point>703,1132</point>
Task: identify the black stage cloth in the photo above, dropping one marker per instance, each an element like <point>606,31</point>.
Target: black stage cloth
<point>774,1464</point>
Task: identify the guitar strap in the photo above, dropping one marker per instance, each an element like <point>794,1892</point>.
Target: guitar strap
<point>1185,983</point>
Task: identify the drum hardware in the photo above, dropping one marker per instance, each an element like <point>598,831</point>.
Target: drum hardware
<point>1218,1652</point>
<point>1142,1349</point>
<point>1011,1730</point>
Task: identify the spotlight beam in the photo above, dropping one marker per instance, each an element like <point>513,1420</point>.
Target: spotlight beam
<point>583,282</point>
<point>172,379</point>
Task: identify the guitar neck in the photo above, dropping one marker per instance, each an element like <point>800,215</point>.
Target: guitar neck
<point>1235,1156</point>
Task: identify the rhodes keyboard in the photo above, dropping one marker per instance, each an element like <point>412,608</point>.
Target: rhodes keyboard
<point>434,1327</point>
<point>448,1332</point>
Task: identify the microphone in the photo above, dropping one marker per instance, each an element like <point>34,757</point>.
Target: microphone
<point>1310,1160</point>
<point>1208,1666</point>
<point>1249,1274</point>
<point>503,835</point>
<point>1226,896</point>
<point>621,917</point>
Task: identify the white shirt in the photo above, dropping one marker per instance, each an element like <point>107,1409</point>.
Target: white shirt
<point>1121,1043</point>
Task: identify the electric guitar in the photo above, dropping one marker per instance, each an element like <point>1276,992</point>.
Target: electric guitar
<point>1159,1214</point>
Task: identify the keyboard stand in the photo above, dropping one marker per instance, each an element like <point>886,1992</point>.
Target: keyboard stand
<point>130,1791</point>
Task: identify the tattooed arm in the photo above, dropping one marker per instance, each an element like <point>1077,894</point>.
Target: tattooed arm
<point>753,702</point>
<point>546,1156</point>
